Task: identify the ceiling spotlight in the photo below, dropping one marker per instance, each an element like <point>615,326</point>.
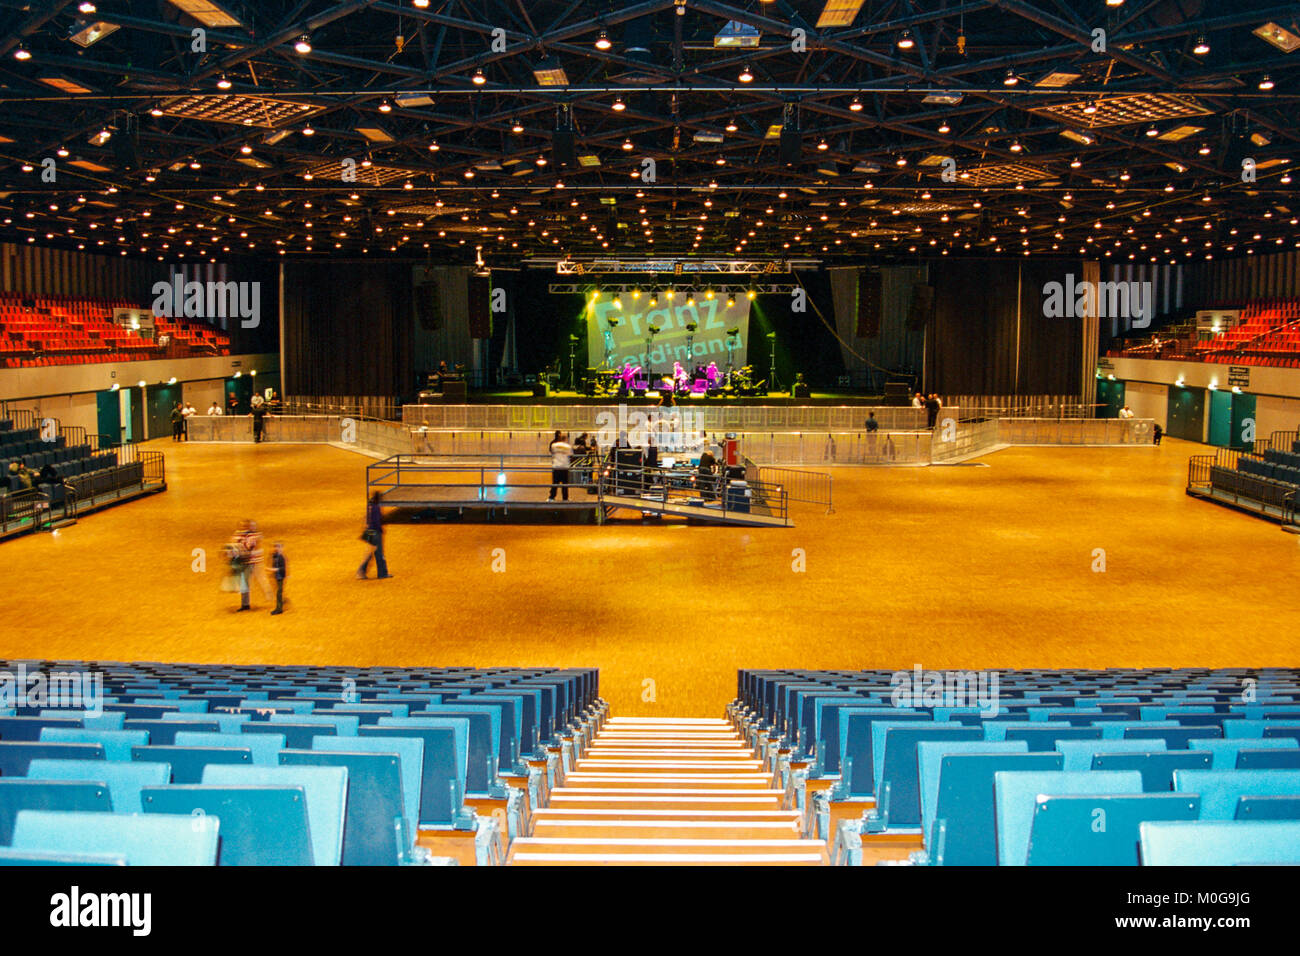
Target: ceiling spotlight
<point>1124,176</point>
<point>900,161</point>
<point>22,53</point>
<point>1091,108</point>
<point>156,111</point>
<point>516,127</point>
<point>1114,3</point>
<point>1010,79</point>
<point>420,3</point>
<point>223,83</point>
<point>1152,131</point>
<point>1169,187</point>
<point>944,127</point>
<point>308,131</point>
<point>385,107</point>
<point>746,76</point>
<point>433,146</point>
<point>823,145</point>
<point>627,145</point>
<point>618,105</point>
<point>731,126</point>
<point>1205,149</point>
<point>1202,47</point>
<point>1075,163</point>
<point>1015,146</point>
<point>366,161</point>
<point>905,41</point>
<point>478,79</point>
<point>303,45</point>
<point>1266,83</point>
<point>856,105</point>
<point>602,41</point>
<point>86,7</point>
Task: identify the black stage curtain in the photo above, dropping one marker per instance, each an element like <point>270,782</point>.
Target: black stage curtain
<point>347,328</point>
<point>988,335</point>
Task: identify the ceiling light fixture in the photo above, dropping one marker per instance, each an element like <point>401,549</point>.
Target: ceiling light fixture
<point>746,76</point>
<point>303,45</point>
<point>602,41</point>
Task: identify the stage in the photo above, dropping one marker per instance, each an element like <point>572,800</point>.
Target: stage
<point>525,396</point>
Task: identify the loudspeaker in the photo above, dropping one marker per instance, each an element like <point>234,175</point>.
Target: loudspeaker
<point>541,390</point>
<point>428,306</point>
<point>869,305</point>
<point>480,318</point>
<point>791,146</point>
<point>455,392</point>
<point>126,149</point>
<point>564,148</point>
<point>898,394</point>
<point>799,390</point>
<point>922,306</point>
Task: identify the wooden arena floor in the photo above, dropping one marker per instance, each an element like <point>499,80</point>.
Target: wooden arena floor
<point>977,566</point>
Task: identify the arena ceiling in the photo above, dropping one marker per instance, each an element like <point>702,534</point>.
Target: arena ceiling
<point>1156,131</point>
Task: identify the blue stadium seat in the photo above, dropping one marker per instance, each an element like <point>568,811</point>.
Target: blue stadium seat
<point>142,839</point>
<point>260,825</point>
<point>28,729</point>
<point>894,744</point>
<point>226,723</point>
<point>1016,794</point>
<point>484,740</point>
<point>124,780</point>
<point>344,725</point>
<point>374,828</point>
<point>187,763</point>
<point>295,735</point>
<point>857,769</point>
<point>446,748</point>
<point>265,747</point>
<point>117,744</point>
<point>1079,753</point>
<point>14,757</point>
<point>957,786</point>
<point>162,733</point>
<point>1270,758</point>
<point>1221,789</point>
<point>1225,750</point>
<point>23,794</point>
<point>1099,829</point>
<point>106,720</point>
<point>1220,843</point>
<point>1175,738</point>
<point>410,756</point>
<point>1268,808</point>
<point>1157,768</point>
<point>326,790</point>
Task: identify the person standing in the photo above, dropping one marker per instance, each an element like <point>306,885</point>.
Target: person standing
<point>374,536</point>
<point>178,421</point>
<point>215,409</point>
<point>187,412</point>
<point>259,421</point>
<point>931,410</point>
<point>872,427</point>
<point>280,571</point>
<point>561,456</point>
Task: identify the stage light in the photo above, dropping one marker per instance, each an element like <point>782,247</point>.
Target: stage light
<point>303,45</point>
<point>654,300</point>
<point>746,76</point>
<point>731,300</point>
<point>669,295</point>
<point>1202,46</point>
<point>751,293</point>
<point>636,294</point>
<point>618,303</point>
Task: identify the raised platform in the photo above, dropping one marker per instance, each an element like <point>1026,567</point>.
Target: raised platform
<point>560,397</point>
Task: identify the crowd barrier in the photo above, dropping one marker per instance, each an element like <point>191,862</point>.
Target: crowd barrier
<point>951,439</point>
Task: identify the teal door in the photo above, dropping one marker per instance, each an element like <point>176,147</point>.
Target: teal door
<point>109,418</point>
<point>1221,419</point>
<point>1110,398</point>
<point>1243,422</point>
<point>1186,414</point>
<point>160,399</point>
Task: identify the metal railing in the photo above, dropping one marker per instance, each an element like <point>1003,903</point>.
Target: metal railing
<point>956,440</point>
<point>349,406</point>
<point>154,466</point>
<point>806,487</point>
<point>1017,406</point>
<point>1096,431</point>
<point>18,507</point>
<point>408,481</point>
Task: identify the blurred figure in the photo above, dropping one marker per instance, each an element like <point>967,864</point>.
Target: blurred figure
<point>561,458</point>
<point>178,421</point>
<point>374,537</point>
<point>251,539</point>
<point>215,409</point>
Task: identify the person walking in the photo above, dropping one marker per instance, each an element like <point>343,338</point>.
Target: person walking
<point>280,571</point>
<point>374,537</point>
<point>237,561</point>
<point>251,539</point>
<point>561,456</point>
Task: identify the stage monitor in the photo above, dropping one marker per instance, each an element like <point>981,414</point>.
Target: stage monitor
<point>627,340</point>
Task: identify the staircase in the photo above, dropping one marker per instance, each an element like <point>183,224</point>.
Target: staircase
<point>666,791</point>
